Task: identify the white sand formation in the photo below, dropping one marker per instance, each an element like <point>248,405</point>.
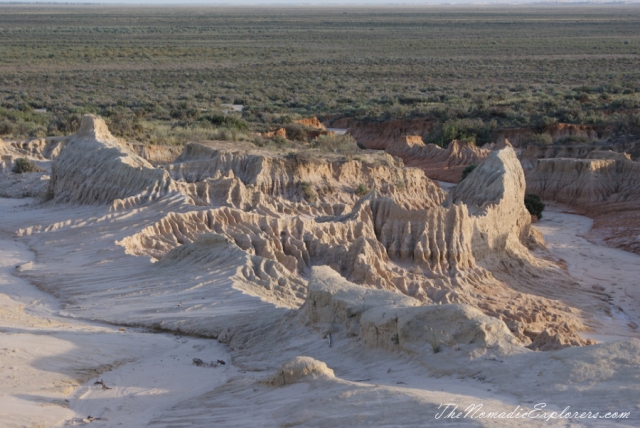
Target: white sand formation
<point>398,237</point>
<point>329,180</point>
<point>96,168</point>
<point>437,254</point>
<point>301,369</point>
<point>403,235</point>
<point>398,323</point>
<point>386,287</point>
<point>603,178</point>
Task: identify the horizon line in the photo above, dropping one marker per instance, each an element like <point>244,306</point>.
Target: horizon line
<point>316,3</point>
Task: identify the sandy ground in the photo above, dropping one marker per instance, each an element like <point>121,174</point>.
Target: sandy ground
<point>338,131</point>
<point>602,270</point>
<point>50,361</point>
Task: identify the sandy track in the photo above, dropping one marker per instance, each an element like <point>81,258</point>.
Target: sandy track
<point>610,272</point>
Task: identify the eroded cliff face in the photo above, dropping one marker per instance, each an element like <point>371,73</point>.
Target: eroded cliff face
<point>531,153</point>
<point>154,154</point>
<point>37,148</point>
<point>311,122</point>
<point>436,162</point>
<point>584,182</point>
<point>519,136</point>
<point>13,185</point>
<point>407,238</point>
<point>444,164</point>
<point>404,138</point>
<point>604,187</point>
<point>370,219</point>
<point>324,184</point>
<point>49,148</point>
<point>379,135</point>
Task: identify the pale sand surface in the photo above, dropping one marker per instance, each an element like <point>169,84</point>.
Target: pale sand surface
<point>602,270</point>
<point>48,357</point>
<point>49,363</point>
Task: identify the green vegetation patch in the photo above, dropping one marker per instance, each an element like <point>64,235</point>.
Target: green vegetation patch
<point>534,205</point>
<point>167,75</point>
<point>23,165</point>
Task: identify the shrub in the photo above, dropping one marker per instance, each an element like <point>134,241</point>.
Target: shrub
<point>467,170</point>
<point>261,142</point>
<point>335,143</point>
<point>534,205</point>
<point>280,141</point>
<point>228,121</point>
<point>308,191</point>
<point>468,130</point>
<point>573,139</point>
<point>23,165</point>
<point>362,190</point>
<point>6,127</point>
<point>296,132</point>
<point>395,339</point>
<point>544,122</point>
<point>539,139</point>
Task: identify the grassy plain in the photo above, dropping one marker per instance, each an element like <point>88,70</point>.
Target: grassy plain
<point>162,74</point>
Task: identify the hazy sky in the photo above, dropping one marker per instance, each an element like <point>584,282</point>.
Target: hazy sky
<point>311,2</point>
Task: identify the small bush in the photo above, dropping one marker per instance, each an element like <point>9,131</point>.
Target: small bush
<point>280,141</point>
<point>23,165</point>
<point>395,339</point>
<point>539,139</point>
<point>544,122</point>
<point>467,170</point>
<point>261,142</point>
<point>6,127</point>
<point>308,191</point>
<point>335,143</point>
<point>573,139</point>
<point>296,132</point>
<point>227,121</point>
<point>362,190</point>
<point>534,205</point>
<point>467,130</point>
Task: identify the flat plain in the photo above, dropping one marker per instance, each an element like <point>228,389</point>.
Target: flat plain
<point>161,75</point>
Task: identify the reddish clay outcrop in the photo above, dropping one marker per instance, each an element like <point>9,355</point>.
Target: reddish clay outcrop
<point>311,122</point>
<point>379,135</point>
<point>516,136</point>
<point>561,130</point>
<point>519,136</point>
<point>280,132</point>
<point>333,121</point>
